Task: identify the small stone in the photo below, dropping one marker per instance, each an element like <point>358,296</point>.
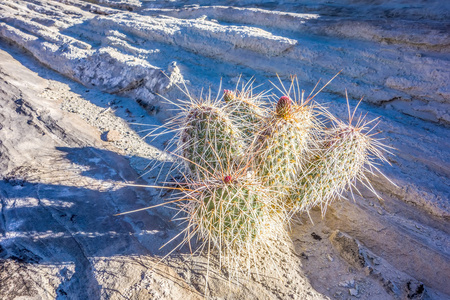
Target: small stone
<point>337,294</point>
<point>353,292</point>
<point>349,249</point>
<point>329,257</point>
<point>112,136</point>
<point>316,236</point>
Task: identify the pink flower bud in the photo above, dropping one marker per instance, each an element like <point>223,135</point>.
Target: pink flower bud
<point>227,179</point>
<point>228,95</point>
<point>284,106</point>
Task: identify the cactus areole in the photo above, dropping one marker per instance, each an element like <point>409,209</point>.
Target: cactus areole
<point>284,107</point>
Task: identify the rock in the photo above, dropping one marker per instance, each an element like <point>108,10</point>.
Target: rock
<point>416,290</point>
<point>61,185</point>
<point>112,136</point>
<point>348,248</point>
<point>359,256</point>
<point>353,292</point>
<point>134,38</point>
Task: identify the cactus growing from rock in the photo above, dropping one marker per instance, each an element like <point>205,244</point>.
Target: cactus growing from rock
<point>246,167</point>
<point>231,214</point>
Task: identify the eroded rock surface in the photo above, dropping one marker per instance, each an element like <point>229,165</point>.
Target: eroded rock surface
<point>69,141</point>
<point>61,185</point>
<point>391,54</point>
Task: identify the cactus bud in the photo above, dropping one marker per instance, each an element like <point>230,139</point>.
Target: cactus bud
<point>227,179</point>
<point>284,107</point>
<point>228,95</point>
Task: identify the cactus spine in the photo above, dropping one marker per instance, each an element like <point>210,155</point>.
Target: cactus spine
<point>346,154</point>
<point>232,214</point>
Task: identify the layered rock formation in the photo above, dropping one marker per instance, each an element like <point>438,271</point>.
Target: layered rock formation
<point>78,79</point>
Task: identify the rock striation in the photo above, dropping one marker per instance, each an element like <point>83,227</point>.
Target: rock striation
<point>392,55</point>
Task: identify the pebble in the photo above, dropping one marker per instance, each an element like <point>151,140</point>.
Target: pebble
<point>347,283</point>
<point>113,135</point>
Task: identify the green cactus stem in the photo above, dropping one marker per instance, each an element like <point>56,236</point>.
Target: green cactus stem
<point>282,147</point>
<point>235,215</point>
<point>347,154</point>
<point>209,141</point>
<point>245,111</point>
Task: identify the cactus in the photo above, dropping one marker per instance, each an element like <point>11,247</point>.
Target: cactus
<point>233,215</point>
<point>348,152</point>
<point>229,95</point>
<point>245,111</point>
<point>245,168</point>
<point>281,148</point>
<point>208,140</point>
<point>230,212</point>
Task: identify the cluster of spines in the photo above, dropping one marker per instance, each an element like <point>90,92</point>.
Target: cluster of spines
<point>283,143</point>
<point>246,110</point>
<point>345,154</point>
<point>231,214</point>
<point>208,140</point>
<point>239,155</point>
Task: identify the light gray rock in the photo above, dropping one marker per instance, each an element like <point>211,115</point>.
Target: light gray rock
<point>391,54</point>
<point>61,183</point>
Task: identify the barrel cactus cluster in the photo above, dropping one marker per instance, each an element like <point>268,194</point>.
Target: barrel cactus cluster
<point>250,161</point>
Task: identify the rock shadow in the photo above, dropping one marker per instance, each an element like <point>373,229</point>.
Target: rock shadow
<point>75,223</point>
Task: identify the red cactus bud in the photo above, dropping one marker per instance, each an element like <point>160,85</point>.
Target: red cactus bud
<point>228,95</point>
<point>284,106</point>
<point>227,179</point>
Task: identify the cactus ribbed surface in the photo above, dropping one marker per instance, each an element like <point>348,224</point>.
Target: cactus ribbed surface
<point>230,212</point>
<point>281,148</point>
<point>343,159</point>
<point>234,215</point>
<point>245,111</point>
<point>209,141</point>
